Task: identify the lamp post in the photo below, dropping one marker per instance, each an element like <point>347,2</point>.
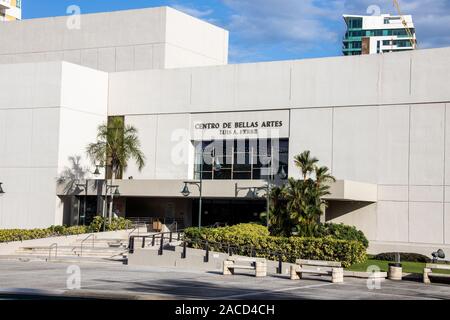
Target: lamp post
<point>199,184</point>
<point>2,192</point>
<point>85,186</point>
<point>108,188</point>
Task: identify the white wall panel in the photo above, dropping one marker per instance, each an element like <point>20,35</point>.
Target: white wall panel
<point>392,221</point>
<point>426,222</point>
<point>447,223</point>
<point>172,150</point>
<point>393,145</point>
<point>447,145</point>
<point>355,144</point>
<point>263,85</point>
<point>393,193</point>
<point>18,129</point>
<point>427,144</point>
<point>147,127</point>
<point>124,58</point>
<point>30,85</point>
<point>311,129</point>
<point>143,57</point>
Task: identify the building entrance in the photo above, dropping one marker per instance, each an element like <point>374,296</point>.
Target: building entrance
<point>228,212</point>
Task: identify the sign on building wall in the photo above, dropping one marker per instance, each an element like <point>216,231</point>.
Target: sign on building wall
<point>240,125</point>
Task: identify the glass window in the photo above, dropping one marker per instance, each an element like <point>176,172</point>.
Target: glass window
<point>241,159</point>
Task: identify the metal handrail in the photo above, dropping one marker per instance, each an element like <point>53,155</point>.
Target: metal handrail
<point>132,231</point>
<point>50,248</point>
<point>160,235</point>
<point>82,243</point>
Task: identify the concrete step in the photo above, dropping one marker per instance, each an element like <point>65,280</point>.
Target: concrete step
<point>73,251</point>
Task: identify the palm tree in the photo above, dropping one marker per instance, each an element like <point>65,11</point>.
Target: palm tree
<point>306,163</point>
<point>116,145</point>
<point>280,222</point>
<point>304,199</point>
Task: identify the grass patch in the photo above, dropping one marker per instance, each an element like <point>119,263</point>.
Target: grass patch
<point>408,267</point>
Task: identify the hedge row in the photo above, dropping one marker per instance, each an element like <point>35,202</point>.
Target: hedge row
<point>248,237</point>
<point>12,235</point>
<point>341,232</point>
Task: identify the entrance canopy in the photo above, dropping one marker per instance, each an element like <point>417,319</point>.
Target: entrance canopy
<point>342,190</point>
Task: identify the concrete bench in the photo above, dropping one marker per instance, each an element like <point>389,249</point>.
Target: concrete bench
<point>428,271</point>
<point>259,265</point>
<point>328,268</point>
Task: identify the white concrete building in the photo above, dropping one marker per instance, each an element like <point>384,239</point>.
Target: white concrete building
<point>384,135</point>
<point>378,34</point>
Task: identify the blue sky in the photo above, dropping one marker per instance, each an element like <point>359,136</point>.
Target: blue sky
<point>264,30</point>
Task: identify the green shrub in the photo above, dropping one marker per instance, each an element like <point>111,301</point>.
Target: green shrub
<point>100,223</point>
<point>404,257</point>
<point>118,224</point>
<point>97,224</point>
<point>55,231</point>
<point>328,248</point>
<point>341,232</point>
<point>21,235</point>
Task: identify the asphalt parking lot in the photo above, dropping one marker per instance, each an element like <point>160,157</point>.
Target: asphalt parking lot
<point>116,281</point>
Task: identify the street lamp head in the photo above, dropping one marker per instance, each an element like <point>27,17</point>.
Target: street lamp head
<point>1,189</point>
<point>185,192</point>
<point>282,174</point>
<point>217,164</point>
<point>97,171</point>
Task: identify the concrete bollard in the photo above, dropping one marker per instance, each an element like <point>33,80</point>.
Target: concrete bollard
<point>395,272</point>
<point>337,275</point>
<point>261,269</point>
<point>227,268</point>
<point>294,274</point>
<point>426,277</point>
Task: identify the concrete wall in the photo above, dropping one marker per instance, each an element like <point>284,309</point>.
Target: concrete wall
<point>378,119</point>
<point>49,111</point>
<point>117,41</point>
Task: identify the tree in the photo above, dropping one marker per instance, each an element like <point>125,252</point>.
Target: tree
<point>306,163</point>
<point>116,144</point>
<point>280,222</point>
<point>303,200</point>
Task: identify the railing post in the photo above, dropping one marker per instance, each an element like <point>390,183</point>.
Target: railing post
<point>207,252</point>
<point>143,241</point>
<point>171,236</point>
<point>153,240</point>
<point>130,245</point>
<point>280,264</point>
<point>161,245</point>
<point>179,237</point>
<point>183,255</point>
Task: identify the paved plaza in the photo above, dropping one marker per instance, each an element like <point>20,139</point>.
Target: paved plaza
<point>116,281</point>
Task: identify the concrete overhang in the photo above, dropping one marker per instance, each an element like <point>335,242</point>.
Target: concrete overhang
<point>5,4</point>
<point>342,190</point>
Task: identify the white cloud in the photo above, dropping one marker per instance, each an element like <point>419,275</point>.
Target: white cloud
<point>315,23</point>
<point>198,13</point>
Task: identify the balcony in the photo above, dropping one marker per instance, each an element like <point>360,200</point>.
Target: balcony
<point>5,4</point>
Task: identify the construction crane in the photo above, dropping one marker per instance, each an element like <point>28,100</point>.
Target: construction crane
<point>412,39</point>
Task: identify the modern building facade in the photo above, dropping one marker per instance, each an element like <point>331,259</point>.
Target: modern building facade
<point>385,137</point>
<point>378,34</point>
<point>10,10</point>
